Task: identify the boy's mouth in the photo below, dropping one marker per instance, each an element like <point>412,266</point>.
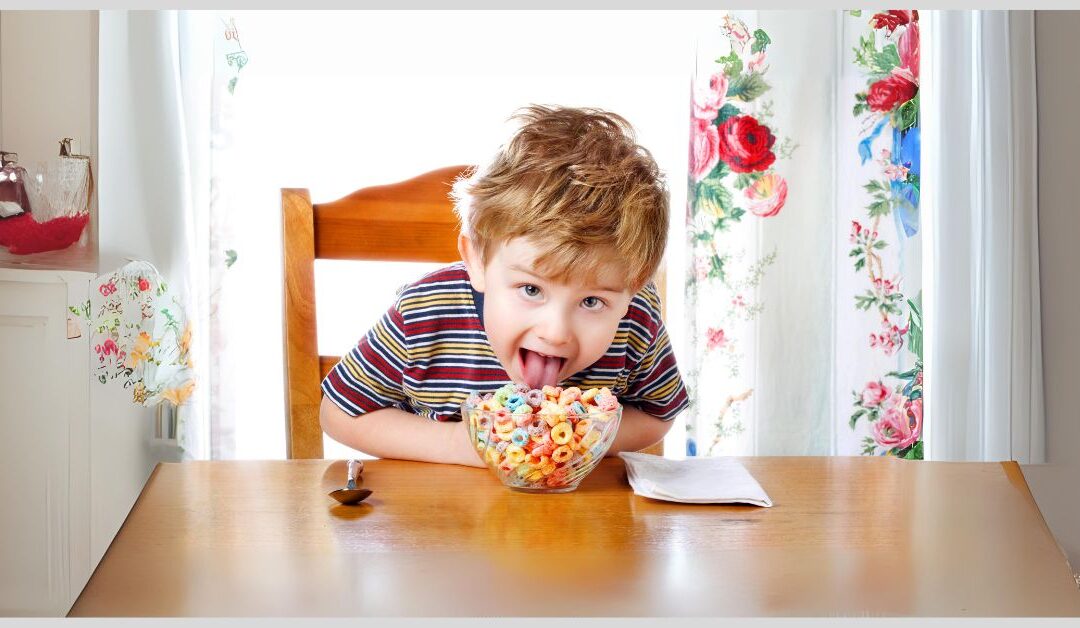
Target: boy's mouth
<point>540,369</point>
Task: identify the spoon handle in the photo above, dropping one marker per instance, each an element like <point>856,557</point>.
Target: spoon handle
<point>355,467</point>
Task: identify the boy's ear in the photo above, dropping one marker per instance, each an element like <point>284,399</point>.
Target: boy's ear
<point>473,265</point>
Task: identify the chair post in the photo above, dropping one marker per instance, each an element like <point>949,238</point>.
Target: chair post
<point>303,435</point>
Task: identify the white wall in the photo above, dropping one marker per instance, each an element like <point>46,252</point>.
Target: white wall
<point>1056,485</point>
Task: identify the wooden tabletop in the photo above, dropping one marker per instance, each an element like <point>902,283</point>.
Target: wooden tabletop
<point>846,536</point>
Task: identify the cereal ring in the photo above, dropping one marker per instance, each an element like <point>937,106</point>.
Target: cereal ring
<point>607,403</point>
<point>561,454</point>
<point>578,409</point>
<point>534,398</point>
<point>588,440</point>
<point>473,399</point>
<point>588,395</point>
<point>514,401</point>
<point>519,437</point>
<point>582,427</point>
<point>535,476</point>
<point>501,446</point>
<point>569,395</point>
<point>537,426</point>
<point>551,393</point>
<point>553,413</point>
<point>515,454</point>
<point>543,449</point>
<point>521,389</point>
<point>561,433</point>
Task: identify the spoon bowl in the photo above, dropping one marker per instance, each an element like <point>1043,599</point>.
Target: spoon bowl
<point>350,494</point>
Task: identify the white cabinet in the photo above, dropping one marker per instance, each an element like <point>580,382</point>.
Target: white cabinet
<point>44,445</point>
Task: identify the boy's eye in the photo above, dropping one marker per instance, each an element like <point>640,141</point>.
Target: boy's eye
<point>592,303</point>
<point>530,291</point>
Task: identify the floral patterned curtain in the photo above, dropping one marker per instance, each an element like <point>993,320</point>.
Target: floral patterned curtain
<point>804,326</point>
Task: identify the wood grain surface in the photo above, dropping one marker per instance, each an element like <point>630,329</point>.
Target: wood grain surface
<point>846,536</point>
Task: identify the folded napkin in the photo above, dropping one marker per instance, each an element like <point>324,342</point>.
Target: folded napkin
<point>693,481</point>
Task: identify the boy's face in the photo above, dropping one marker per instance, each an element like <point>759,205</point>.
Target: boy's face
<point>541,330</point>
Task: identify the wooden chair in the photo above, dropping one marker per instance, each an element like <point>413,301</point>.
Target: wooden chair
<point>408,221</point>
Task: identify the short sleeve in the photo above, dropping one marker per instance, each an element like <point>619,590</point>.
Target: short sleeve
<point>369,377</point>
<point>654,385</point>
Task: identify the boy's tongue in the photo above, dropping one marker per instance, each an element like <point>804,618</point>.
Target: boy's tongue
<point>539,370</point>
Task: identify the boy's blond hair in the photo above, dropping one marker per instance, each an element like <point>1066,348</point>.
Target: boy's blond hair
<point>575,182</point>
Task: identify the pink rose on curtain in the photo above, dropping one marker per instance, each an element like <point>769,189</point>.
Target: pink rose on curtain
<point>908,48</point>
<point>757,62</point>
<point>704,148</point>
<point>737,33</point>
<point>900,426</point>
<point>716,338</point>
<point>707,100</point>
<point>767,195</point>
<point>890,92</point>
<point>874,394</point>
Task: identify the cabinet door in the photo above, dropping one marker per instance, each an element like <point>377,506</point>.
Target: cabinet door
<point>34,447</point>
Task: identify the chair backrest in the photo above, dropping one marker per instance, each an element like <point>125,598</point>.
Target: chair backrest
<point>408,221</point>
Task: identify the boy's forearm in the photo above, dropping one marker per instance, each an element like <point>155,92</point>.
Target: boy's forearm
<point>394,433</point>
<point>638,430</point>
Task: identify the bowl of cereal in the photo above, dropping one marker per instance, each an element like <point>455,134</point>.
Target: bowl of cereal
<point>542,440</point>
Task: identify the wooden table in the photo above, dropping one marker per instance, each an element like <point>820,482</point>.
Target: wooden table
<point>847,536</point>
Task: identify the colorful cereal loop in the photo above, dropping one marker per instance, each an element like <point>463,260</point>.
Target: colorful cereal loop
<point>561,433</point>
<point>561,454</point>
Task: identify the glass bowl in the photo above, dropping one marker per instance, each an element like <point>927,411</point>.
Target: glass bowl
<point>538,455</point>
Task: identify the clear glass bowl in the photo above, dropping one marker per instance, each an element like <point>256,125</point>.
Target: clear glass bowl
<point>556,464</point>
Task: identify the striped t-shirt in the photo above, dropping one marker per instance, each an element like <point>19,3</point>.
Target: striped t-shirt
<point>430,351</point>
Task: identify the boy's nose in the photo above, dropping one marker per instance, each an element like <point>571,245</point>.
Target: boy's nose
<point>554,330</point>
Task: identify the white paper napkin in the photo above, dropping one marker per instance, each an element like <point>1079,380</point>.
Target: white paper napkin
<point>693,481</point>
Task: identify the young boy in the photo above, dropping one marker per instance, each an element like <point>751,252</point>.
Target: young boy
<point>560,236</point>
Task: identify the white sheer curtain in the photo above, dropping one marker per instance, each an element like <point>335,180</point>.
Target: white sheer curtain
<point>154,143</point>
<point>984,341</point>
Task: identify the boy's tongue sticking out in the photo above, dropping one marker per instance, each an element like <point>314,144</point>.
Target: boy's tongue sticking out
<point>539,369</point>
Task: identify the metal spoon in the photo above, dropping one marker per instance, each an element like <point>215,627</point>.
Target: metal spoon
<point>350,494</point>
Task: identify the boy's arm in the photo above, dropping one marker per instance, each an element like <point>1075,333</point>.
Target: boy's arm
<point>637,430</point>
<point>394,433</point>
